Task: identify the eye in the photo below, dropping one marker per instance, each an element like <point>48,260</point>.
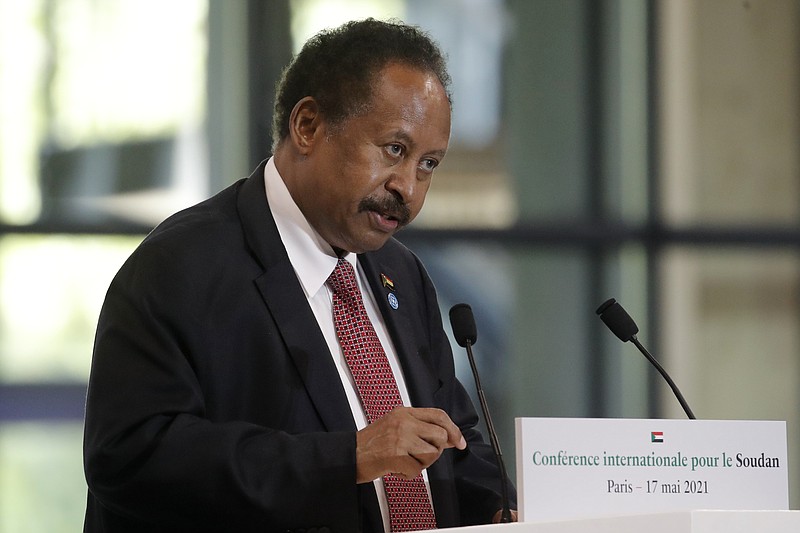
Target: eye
<point>428,164</point>
<point>395,149</point>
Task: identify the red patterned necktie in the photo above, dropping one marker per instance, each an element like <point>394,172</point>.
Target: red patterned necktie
<point>409,506</point>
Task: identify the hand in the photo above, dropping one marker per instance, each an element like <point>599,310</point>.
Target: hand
<point>404,442</point>
<point>499,514</point>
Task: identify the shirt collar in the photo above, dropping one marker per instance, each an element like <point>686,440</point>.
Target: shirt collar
<point>313,259</point>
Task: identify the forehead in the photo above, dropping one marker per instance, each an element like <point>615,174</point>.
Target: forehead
<point>399,78</point>
<point>405,93</point>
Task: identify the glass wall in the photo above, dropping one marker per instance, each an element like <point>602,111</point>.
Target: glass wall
<point>102,120</point>
<point>729,176</point>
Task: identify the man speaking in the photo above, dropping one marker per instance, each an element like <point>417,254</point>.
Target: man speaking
<point>272,359</point>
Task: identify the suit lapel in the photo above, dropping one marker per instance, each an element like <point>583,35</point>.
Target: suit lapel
<point>287,304</point>
<point>420,378</point>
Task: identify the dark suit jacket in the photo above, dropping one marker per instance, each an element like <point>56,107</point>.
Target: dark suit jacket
<point>214,404</point>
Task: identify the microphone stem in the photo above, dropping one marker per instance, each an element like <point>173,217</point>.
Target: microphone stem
<point>664,374</point>
<point>505,515</point>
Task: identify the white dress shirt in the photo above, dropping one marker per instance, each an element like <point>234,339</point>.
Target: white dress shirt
<point>314,260</point>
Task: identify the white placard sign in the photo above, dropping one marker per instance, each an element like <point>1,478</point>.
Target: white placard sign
<point>580,468</point>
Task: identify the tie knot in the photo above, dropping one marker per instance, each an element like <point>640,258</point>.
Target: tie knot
<point>343,279</point>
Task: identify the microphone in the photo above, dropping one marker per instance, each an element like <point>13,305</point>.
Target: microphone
<point>466,334</point>
<point>622,325</point>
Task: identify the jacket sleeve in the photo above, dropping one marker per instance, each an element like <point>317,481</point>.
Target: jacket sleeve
<point>156,456</point>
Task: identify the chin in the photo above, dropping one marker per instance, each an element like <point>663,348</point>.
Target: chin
<point>368,245</point>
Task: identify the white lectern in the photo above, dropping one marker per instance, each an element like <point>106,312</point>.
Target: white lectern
<point>673,522</point>
<point>653,475</point>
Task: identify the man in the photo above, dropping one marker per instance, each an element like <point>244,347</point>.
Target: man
<point>234,377</point>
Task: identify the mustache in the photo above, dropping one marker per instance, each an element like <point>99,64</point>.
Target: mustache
<point>389,206</point>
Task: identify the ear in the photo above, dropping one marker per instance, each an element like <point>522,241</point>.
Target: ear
<point>305,124</point>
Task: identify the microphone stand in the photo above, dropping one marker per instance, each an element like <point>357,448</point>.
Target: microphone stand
<point>505,515</point>
<point>664,374</point>
<point>622,325</point>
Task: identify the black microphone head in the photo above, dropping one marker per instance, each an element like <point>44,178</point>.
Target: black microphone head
<point>463,324</point>
<point>617,319</point>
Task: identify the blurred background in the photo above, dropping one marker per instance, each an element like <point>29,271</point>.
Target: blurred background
<point>647,150</point>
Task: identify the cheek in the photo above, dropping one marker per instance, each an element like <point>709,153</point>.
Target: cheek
<point>363,168</point>
<point>420,192</point>
<point>422,186</point>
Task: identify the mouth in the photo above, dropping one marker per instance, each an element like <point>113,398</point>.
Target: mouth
<point>385,222</point>
<point>389,215</point>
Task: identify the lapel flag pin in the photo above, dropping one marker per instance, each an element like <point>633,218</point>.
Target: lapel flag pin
<point>387,282</point>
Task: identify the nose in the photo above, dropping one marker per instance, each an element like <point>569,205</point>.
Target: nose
<point>402,183</point>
